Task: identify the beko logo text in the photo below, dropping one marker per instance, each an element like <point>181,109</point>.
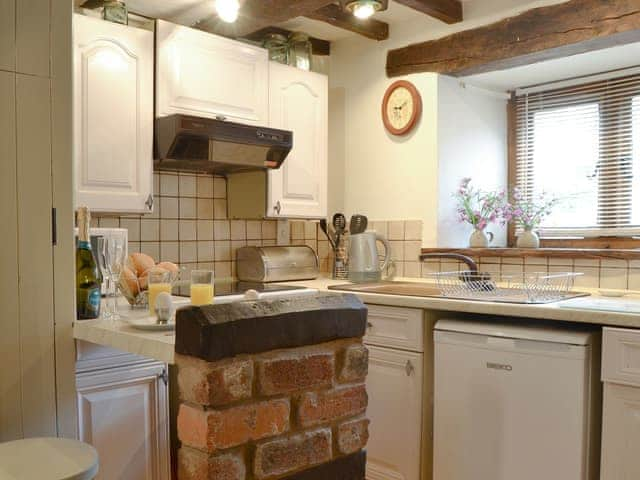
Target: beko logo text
<point>499,366</point>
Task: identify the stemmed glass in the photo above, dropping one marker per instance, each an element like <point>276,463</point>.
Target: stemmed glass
<point>113,254</point>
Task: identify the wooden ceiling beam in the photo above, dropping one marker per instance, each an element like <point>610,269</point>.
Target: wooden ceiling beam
<point>320,47</point>
<point>334,15</point>
<point>545,33</point>
<point>449,11</point>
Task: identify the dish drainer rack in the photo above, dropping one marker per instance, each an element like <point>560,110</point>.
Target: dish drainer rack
<point>537,287</point>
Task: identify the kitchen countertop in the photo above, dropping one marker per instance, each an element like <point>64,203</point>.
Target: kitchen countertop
<point>597,309</point>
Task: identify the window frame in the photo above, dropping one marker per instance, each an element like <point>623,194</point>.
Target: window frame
<point>609,242</point>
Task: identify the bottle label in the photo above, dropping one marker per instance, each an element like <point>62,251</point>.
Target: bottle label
<point>94,299</point>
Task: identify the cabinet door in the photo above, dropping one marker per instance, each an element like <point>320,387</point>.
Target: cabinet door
<point>298,101</point>
<point>394,385</point>
<point>210,76</point>
<point>620,433</point>
<point>113,109</point>
<point>123,414</point>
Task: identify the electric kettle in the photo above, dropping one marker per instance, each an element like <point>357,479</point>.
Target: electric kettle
<point>364,264</point>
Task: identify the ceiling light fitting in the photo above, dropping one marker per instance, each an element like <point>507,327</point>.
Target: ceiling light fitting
<point>364,9</point>
<point>227,10</point>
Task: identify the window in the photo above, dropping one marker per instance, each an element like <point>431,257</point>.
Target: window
<point>581,144</point>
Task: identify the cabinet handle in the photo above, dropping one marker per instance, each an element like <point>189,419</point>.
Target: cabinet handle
<point>164,376</point>
<point>409,368</point>
<point>149,202</point>
<point>277,207</point>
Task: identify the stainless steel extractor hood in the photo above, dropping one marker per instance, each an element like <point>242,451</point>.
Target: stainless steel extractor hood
<point>194,144</point>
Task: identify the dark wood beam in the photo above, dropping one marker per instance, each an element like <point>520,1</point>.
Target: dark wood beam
<point>334,15</point>
<point>258,14</point>
<point>320,47</point>
<point>449,11</point>
<point>544,33</point>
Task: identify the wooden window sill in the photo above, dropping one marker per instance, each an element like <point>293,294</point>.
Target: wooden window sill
<point>585,253</point>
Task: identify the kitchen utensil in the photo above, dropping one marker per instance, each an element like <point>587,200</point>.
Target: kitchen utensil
<point>339,225</point>
<point>358,224</point>
<point>325,229</point>
<point>364,264</point>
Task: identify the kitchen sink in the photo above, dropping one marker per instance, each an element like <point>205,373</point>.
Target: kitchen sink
<point>497,294</point>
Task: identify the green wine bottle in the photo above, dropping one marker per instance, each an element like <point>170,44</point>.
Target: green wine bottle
<point>88,277</point>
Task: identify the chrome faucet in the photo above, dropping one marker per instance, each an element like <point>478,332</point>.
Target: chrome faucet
<point>473,266</point>
<point>475,279</point>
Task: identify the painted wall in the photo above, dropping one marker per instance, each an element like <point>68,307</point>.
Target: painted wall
<point>389,178</point>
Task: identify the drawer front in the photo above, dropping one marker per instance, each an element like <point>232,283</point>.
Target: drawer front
<point>621,356</point>
<point>395,327</point>
<point>90,356</point>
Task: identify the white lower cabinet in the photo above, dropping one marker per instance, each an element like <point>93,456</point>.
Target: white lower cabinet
<point>621,408</point>
<point>123,413</point>
<point>394,385</point>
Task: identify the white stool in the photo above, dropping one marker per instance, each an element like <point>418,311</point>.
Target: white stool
<point>47,459</point>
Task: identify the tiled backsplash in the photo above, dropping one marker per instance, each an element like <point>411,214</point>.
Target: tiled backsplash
<point>606,274</point>
<point>189,225</point>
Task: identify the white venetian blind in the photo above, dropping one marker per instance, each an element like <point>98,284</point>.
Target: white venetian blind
<point>581,144</point>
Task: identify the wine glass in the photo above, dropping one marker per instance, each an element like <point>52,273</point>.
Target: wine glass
<point>114,262</point>
<point>104,271</point>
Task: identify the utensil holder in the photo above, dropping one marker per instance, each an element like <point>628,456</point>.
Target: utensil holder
<point>340,269</point>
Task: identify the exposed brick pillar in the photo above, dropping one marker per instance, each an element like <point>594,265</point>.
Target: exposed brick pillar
<point>285,399</point>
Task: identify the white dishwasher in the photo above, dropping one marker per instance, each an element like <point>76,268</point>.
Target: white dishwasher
<point>516,402</point>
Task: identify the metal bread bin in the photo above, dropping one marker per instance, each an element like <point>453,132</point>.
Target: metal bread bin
<point>276,264</point>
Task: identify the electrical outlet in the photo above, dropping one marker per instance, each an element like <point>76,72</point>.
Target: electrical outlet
<point>283,232</point>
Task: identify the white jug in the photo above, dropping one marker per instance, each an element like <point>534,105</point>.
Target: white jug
<point>364,264</point>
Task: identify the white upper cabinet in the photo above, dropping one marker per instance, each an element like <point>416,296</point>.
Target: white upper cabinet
<point>113,116</point>
<point>298,101</point>
<point>206,75</point>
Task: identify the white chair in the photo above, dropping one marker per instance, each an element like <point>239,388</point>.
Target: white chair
<point>47,459</point>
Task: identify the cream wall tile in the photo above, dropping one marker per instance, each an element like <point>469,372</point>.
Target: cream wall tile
<point>297,230</point>
<point>170,252</point>
<point>564,262</point>
<point>412,269</point>
<point>634,279</point>
<point>169,207</point>
<point>395,230</point>
<point>269,230</point>
<point>254,229</point>
<point>258,243</point>
<point>149,230</point>
<point>188,252</point>
<point>614,263</point>
<point>205,229</point>
<point>222,251</point>
<point>613,278</point>
<point>205,208</point>
<point>205,251</point>
<point>133,247</point>
<point>235,245</point>
<point>412,250</point>
<point>513,272</point>
<point>536,261</point>
<point>238,230</point>
<point>379,227</point>
<point>188,208</point>
<point>512,261</point>
<point>492,268</point>
<point>221,230</point>
<point>169,184</point>
<point>634,263</point>
<point>397,250</point>
<point>187,230</point>
<point>448,266</point>
<point>151,248</point>
<point>219,209</point>
<point>313,244</point>
<point>490,260</point>
<point>310,230</point>
<point>133,227</point>
<point>168,230</point>
<point>413,230</point>
<point>590,279</point>
<point>219,187</point>
<point>222,269</point>
<point>109,222</point>
<point>268,243</point>
<point>586,262</point>
<point>156,183</point>
<point>396,269</point>
<point>187,185</point>
<point>204,186</point>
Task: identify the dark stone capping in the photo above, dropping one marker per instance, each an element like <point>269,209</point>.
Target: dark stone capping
<point>214,332</point>
<point>351,467</point>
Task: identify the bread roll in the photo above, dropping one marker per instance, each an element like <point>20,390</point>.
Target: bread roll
<point>144,278</point>
<point>169,266</point>
<point>130,281</point>
<point>141,262</point>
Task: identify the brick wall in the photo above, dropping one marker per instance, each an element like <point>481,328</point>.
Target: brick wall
<point>271,415</point>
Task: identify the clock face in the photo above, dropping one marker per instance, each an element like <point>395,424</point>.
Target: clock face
<point>401,107</point>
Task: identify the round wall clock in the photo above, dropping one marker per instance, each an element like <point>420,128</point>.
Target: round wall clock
<point>401,107</point>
